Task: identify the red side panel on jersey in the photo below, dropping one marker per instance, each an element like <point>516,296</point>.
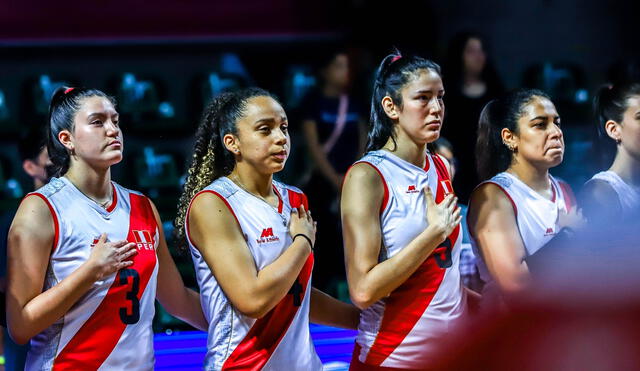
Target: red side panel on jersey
<point>296,199</point>
<point>99,335</point>
<point>263,338</point>
<point>567,193</point>
<point>406,304</point>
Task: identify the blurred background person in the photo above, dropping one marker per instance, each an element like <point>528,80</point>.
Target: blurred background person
<point>471,82</point>
<point>35,161</point>
<point>335,135</point>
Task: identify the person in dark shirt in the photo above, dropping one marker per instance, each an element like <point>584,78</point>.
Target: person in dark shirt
<point>471,82</point>
<point>335,135</point>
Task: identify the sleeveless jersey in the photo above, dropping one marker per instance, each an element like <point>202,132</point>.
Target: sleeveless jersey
<point>109,327</point>
<point>628,196</point>
<point>404,329</point>
<point>280,340</point>
<point>536,216</point>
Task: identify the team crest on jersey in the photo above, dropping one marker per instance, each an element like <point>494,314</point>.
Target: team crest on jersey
<point>95,241</point>
<point>412,189</point>
<point>144,240</point>
<point>267,236</point>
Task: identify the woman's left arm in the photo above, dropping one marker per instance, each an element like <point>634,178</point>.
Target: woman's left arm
<point>178,300</point>
<point>326,310</point>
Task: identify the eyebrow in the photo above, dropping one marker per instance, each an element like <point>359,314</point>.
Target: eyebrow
<point>269,120</point>
<point>428,91</point>
<point>94,114</point>
<point>543,118</point>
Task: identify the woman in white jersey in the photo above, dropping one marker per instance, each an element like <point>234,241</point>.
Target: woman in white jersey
<point>520,207</point>
<point>615,193</point>
<point>251,239</point>
<point>401,224</point>
<point>85,254</point>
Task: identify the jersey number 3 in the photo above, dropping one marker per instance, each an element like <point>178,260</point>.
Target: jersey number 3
<point>132,295</point>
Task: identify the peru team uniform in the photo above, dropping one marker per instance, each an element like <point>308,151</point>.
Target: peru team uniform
<point>109,327</point>
<point>628,195</point>
<point>404,329</point>
<point>280,340</point>
<point>536,216</point>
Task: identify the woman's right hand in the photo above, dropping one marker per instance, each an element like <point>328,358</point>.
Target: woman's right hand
<point>301,222</point>
<point>443,216</point>
<point>109,257</point>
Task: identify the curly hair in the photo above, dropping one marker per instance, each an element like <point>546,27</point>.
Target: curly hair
<point>211,159</point>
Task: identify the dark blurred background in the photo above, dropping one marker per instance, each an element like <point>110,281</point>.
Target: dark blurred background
<point>164,60</point>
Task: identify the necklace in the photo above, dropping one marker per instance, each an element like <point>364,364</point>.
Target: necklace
<point>237,182</point>
<point>104,204</point>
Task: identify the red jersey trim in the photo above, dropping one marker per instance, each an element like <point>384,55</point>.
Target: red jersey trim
<point>186,219</point>
<point>114,202</point>
<point>56,225</point>
<point>100,334</point>
<point>385,197</point>
<point>567,193</point>
<point>257,347</point>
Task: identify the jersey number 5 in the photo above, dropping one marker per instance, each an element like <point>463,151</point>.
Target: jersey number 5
<point>132,295</point>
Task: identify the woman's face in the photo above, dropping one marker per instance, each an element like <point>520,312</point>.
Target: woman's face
<point>263,137</point>
<point>630,128</point>
<point>422,111</point>
<point>337,72</point>
<point>473,56</point>
<point>97,138</point>
<point>539,139</point>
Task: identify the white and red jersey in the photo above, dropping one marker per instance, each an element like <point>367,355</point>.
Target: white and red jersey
<point>280,340</point>
<point>109,327</point>
<point>404,329</point>
<point>628,195</point>
<point>536,216</point>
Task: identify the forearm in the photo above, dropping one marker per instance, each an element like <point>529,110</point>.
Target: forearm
<point>326,310</point>
<point>386,276</point>
<point>187,307</point>
<point>275,280</point>
<point>25,321</point>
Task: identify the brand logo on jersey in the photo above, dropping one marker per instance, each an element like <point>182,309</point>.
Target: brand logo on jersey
<point>446,185</point>
<point>412,189</point>
<point>549,232</point>
<point>144,240</point>
<point>267,236</point>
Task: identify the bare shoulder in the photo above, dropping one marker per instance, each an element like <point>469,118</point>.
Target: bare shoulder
<point>363,183</point>
<point>489,198</point>
<point>33,222</point>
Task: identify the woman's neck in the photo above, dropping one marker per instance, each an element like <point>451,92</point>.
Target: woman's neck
<point>94,183</point>
<point>253,182</point>
<point>407,150</point>
<point>627,167</point>
<point>534,177</point>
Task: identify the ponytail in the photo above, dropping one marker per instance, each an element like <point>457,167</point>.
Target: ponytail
<point>394,72</point>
